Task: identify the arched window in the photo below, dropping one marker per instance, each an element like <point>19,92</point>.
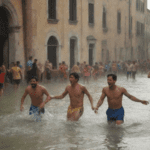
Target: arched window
<point>51,9</point>
<point>72,10</point>
<point>52,51</point>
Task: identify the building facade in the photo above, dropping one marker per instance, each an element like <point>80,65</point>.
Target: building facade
<point>73,30</point>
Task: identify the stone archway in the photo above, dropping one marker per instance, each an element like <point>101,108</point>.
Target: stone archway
<point>9,28</point>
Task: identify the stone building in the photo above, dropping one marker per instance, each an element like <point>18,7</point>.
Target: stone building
<point>72,30</point>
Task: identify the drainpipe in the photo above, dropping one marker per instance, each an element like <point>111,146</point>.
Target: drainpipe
<point>24,31</point>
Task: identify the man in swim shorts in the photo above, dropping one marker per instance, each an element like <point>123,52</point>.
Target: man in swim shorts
<point>76,93</point>
<point>36,93</point>
<point>114,96</point>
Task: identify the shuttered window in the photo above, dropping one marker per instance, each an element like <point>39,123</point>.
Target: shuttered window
<point>52,9</point>
<point>72,10</point>
<point>91,13</point>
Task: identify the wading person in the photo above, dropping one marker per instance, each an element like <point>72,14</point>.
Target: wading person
<point>36,93</point>
<point>114,96</point>
<point>76,93</point>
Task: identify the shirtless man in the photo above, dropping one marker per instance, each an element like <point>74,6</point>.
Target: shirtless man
<point>76,93</point>
<point>114,96</point>
<point>36,93</point>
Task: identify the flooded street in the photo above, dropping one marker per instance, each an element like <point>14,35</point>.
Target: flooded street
<point>19,131</point>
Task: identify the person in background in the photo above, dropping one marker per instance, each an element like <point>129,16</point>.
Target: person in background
<point>86,74</point>
<point>16,72</point>
<point>2,79</point>
<point>34,68</point>
<point>29,74</point>
<point>48,68</point>
<point>30,63</point>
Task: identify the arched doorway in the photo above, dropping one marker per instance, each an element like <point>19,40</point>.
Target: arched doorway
<point>4,36</point>
<point>52,51</point>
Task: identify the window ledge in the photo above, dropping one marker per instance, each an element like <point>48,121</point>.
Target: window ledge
<point>91,24</point>
<point>53,21</point>
<point>105,29</point>
<point>73,22</point>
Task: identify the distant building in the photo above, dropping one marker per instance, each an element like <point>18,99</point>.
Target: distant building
<point>73,30</point>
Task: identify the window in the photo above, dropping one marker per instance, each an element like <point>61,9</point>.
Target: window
<point>119,22</point>
<point>72,10</point>
<point>130,26</point>
<point>140,28</point>
<point>104,18</point>
<point>139,5</point>
<point>51,9</point>
<point>91,13</point>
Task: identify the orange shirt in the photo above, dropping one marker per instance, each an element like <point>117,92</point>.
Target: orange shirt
<point>16,73</point>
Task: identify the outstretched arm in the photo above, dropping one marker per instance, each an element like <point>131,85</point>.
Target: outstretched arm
<point>89,96</point>
<point>101,100</point>
<point>134,98</point>
<point>23,98</point>
<point>61,96</point>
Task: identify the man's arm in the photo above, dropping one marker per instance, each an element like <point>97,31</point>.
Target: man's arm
<point>101,100</point>
<point>89,96</point>
<point>61,96</point>
<point>148,75</point>
<point>47,99</point>
<point>23,98</point>
<point>134,98</point>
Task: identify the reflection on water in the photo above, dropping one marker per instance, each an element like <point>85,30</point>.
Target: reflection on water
<point>18,131</point>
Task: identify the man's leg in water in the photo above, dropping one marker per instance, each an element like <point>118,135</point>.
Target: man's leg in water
<point>119,122</point>
<point>1,92</point>
<point>74,116</point>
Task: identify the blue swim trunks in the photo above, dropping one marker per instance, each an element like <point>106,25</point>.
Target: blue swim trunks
<point>115,114</point>
<point>35,110</point>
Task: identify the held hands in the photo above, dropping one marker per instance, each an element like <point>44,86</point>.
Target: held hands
<point>145,102</point>
<point>21,108</point>
<point>96,110</point>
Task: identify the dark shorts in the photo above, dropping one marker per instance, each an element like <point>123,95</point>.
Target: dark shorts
<point>1,86</point>
<point>36,110</point>
<point>128,72</point>
<point>115,114</point>
<point>17,81</point>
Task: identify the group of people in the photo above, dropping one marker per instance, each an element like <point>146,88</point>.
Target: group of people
<point>76,91</point>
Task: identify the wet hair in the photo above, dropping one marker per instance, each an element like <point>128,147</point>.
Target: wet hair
<point>18,62</point>
<point>34,77</point>
<point>30,57</point>
<point>75,75</point>
<point>113,76</point>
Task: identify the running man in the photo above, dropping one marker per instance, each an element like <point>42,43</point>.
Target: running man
<point>76,94</point>
<point>36,93</point>
<point>114,96</point>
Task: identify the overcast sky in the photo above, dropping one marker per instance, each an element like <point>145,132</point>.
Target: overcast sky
<point>148,4</point>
